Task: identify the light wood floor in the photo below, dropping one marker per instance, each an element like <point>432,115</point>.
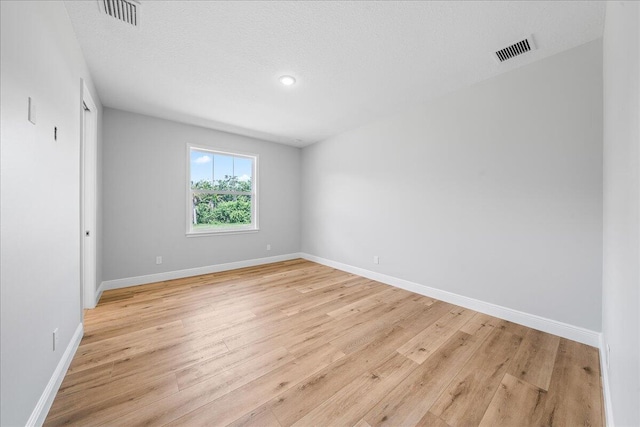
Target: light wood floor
<point>297,343</point>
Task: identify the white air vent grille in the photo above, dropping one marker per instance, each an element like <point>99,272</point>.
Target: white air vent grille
<point>124,10</point>
<point>516,49</point>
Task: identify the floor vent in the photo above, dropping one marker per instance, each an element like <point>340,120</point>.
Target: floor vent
<point>516,49</point>
<point>123,10</point>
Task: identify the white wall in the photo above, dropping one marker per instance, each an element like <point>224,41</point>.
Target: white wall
<point>40,220</point>
<point>621,275</point>
<point>144,205</point>
<point>493,192</point>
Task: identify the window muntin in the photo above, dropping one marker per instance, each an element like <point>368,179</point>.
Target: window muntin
<point>222,191</point>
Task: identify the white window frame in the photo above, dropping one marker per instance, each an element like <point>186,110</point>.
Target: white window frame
<point>249,228</point>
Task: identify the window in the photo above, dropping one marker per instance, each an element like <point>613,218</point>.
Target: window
<point>222,191</point>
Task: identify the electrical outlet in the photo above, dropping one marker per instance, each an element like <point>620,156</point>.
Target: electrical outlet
<point>269,246</point>
<point>55,339</point>
<point>158,260</point>
<point>376,259</point>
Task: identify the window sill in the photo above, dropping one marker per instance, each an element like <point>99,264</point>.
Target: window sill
<point>205,233</point>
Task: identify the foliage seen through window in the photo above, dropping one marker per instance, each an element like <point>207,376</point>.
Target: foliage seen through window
<point>222,191</point>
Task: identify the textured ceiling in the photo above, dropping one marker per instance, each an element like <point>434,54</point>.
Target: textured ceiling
<point>216,64</point>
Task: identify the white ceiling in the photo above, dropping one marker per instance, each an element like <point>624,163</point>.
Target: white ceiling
<point>216,64</point>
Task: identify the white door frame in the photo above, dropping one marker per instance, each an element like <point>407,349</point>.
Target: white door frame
<point>88,199</point>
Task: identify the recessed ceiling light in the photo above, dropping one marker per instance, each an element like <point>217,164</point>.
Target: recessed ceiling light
<point>287,80</point>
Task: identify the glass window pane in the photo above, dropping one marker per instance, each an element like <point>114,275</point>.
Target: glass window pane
<point>222,167</point>
<point>201,169</point>
<point>211,171</point>
<point>220,211</point>
<point>243,169</point>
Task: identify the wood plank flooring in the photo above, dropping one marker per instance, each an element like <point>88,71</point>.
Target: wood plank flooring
<point>297,343</point>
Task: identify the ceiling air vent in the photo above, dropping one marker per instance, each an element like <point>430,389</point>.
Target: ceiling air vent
<point>124,10</point>
<point>516,49</point>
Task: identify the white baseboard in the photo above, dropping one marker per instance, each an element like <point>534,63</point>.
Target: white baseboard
<point>179,274</point>
<point>99,293</point>
<point>554,327</point>
<point>606,391</point>
<point>41,410</point>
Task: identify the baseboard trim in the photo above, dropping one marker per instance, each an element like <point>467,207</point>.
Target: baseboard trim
<point>604,374</point>
<point>41,410</point>
<point>554,327</point>
<point>99,293</point>
<point>179,274</point>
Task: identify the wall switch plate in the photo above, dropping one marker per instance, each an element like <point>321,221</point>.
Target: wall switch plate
<point>158,260</point>
<point>376,259</point>
<point>55,339</point>
<point>608,356</point>
<point>32,111</point>
<point>269,247</point>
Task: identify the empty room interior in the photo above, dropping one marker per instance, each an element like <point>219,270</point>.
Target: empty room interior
<point>323,213</point>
